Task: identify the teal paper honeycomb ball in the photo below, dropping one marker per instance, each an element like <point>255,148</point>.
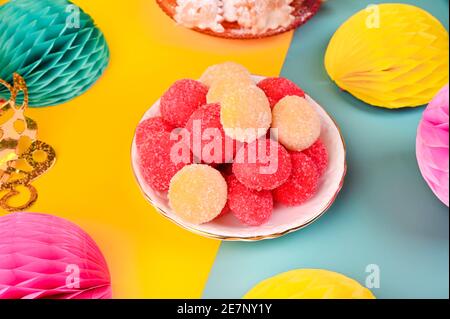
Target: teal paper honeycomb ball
<point>58,55</point>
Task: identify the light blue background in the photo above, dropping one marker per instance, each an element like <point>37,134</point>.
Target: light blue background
<point>385,215</point>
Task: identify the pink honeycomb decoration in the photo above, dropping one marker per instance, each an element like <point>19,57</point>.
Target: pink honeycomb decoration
<point>43,256</point>
<point>432,145</point>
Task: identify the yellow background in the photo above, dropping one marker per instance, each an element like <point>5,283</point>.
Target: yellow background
<point>92,182</point>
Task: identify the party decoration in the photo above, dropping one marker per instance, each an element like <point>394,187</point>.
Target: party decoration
<point>390,55</point>
<point>309,284</point>
<point>432,145</point>
<point>46,257</point>
<point>23,158</point>
<point>54,45</point>
<point>241,19</point>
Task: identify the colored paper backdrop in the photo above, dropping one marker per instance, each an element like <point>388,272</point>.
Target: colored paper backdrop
<point>386,215</point>
<point>386,219</point>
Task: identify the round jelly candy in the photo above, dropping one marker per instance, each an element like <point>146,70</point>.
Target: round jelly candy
<point>157,163</point>
<point>262,164</point>
<point>278,88</point>
<point>297,123</point>
<point>207,139</point>
<point>245,114</point>
<point>220,87</point>
<point>251,207</point>
<point>181,100</point>
<point>224,71</point>
<point>198,193</point>
<point>319,154</point>
<point>146,129</point>
<point>303,183</point>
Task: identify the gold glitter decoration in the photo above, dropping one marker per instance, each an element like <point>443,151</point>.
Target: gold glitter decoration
<point>23,158</point>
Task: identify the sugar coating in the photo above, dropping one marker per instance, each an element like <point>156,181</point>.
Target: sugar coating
<point>303,183</point>
<point>155,162</point>
<point>220,87</point>
<point>146,129</point>
<point>251,207</point>
<point>262,165</point>
<point>319,154</point>
<point>297,122</point>
<point>206,130</point>
<point>278,88</point>
<point>245,114</point>
<point>224,71</point>
<point>198,193</point>
<point>181,100</point>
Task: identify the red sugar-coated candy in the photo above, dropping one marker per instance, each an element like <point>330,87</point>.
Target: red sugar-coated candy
<point>146,129</point>
<point>319,154</point>
<point>208,141</point>
<point>181,100</point>
<point>251,207</point>
<point>156,163</point>
<point>262,165</point>
<point>303,183</point>
<point>278,88</point>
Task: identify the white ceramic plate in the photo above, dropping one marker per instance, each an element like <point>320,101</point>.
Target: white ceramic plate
<point>284,219</point>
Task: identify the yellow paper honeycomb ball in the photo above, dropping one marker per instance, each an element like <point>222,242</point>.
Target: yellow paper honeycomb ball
<point>390,55</point>
<point>309,284</point>
<point>198,193</point>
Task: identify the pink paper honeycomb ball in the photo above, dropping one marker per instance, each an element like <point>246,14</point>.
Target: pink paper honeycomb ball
<point>432,145</point>
<point>46,257</point>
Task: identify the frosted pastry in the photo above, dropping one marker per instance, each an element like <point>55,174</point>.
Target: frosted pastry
<point>246,114</point>
<point>203,14</point>
<point>241,19</point>
<point>298,124</point>
<point>198,193</point>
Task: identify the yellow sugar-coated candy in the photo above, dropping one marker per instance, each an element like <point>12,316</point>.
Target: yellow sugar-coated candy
<point>309,284</point>
<point>245,114</point>
<point>297,123</point>
<point>198,193</point>
<point>227,70</point>
<point>221,87</point>
<point>390,55</point>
